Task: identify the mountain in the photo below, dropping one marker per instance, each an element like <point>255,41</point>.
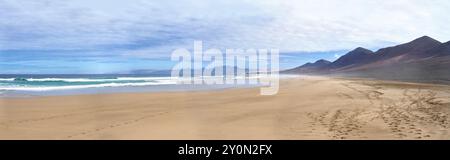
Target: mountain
<point>319,63</point>
<point>442,50</point>
<point>416,50</point>
<point>423,59</point>
<point>310,67</point>
<point>357,56</point>
<point>413,50</point>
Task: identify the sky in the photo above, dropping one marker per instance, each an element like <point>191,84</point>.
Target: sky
<point>116,36</point>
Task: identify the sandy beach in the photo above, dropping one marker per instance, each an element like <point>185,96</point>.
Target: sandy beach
<point>304,108</point>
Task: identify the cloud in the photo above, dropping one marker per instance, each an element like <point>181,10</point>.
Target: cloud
<point>291,25</point>
<point>153,29</point>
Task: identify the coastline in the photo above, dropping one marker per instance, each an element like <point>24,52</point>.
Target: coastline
<point>56,85</point>
<point>120,90</point>
<point>306,107</point>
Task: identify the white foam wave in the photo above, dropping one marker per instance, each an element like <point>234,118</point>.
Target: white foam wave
<point>51,88</point>
<point>143,78</point>
<point>6,79</point>
<point>90,80</point>
<point>66,79</point>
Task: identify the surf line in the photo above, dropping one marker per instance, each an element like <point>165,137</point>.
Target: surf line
<point>189,150</point>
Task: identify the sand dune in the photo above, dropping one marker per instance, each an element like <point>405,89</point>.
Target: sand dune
<point>304,108</point>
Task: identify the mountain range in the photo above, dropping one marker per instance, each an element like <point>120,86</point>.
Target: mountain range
<point>423,59</point>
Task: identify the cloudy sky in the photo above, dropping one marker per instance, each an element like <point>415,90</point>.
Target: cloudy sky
<point>107,36</point>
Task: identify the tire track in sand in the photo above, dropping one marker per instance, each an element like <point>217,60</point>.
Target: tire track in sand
<point>115,125</point>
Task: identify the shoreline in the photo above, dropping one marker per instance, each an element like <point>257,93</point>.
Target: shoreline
<point>125,90</point>
<point>127,87</point>
<point>191,87</point>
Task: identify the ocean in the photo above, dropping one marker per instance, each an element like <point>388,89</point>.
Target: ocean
<point>70,84</point>
<point>61,82</point>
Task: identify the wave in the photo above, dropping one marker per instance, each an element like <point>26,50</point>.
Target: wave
<point>84,79</point>
<point>49,84</point>
<point>51,88</point>
<point>7,79</point>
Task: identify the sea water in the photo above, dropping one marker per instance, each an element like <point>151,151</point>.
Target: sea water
<point>37,85</point>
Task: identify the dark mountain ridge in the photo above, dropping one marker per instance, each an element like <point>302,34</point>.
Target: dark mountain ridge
<point>355,57</point>
<point>310,67</point>
<point>421,59</point>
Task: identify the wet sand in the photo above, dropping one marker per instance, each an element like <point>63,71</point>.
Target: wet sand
<point>304,108</point>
